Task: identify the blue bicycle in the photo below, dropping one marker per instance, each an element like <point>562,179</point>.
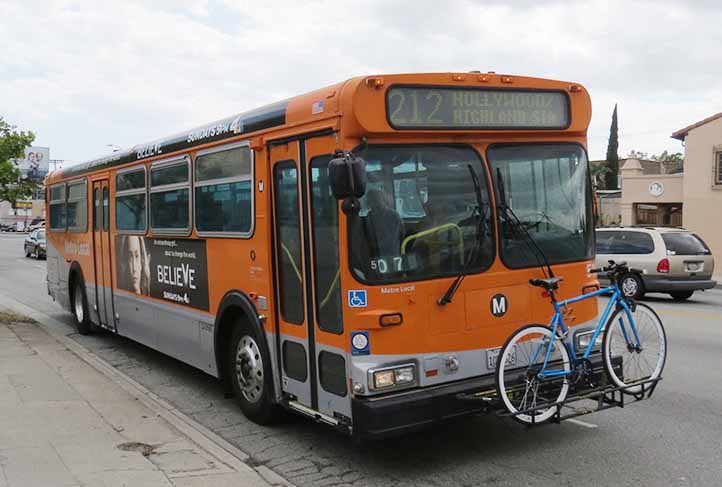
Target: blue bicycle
<point>538,364</point>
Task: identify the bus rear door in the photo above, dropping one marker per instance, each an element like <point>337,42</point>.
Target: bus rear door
<point>102,253</point>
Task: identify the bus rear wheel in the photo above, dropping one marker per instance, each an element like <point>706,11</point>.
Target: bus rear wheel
<point>250,375</point>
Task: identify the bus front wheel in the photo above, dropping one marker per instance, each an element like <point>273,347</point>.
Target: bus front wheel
<point>80,307</point>
<point>249,370</point>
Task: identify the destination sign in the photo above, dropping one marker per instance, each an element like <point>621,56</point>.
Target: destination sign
<point>463,108</point>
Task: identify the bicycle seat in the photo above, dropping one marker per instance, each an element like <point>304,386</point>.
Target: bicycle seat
<point>548,284</point>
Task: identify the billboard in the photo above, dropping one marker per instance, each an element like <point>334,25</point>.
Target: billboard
<point>35,164</point>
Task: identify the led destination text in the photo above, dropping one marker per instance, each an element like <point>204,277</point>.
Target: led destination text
<point>476,108</point>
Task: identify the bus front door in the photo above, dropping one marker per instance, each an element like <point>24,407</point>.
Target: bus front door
<point>291,285</point>
<point>102,255</point>
<point>308,293</point>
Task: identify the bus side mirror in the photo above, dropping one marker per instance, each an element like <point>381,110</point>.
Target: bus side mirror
<point>347,175</point>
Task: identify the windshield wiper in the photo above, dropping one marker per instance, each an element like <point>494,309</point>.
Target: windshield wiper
<point>449,294</point>
<point>509,216</point>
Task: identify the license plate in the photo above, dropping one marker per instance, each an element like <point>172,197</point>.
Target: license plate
<point>693,266</point>
<point>493,354</point>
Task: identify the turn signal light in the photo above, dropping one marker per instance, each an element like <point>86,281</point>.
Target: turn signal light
<point>663,266</point>
<point>507,79</point>
<point>391,319</point>
<point>375,82</point>
<point>575,88</point>
<point>458,77</point>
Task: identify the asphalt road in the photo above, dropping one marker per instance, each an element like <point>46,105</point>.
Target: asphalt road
<point>673,439</point>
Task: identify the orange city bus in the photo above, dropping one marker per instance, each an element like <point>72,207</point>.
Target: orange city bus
<point>340,253</point>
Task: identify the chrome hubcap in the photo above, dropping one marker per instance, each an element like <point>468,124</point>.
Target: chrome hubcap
<point>629,287</point>
<point>249,369</point>
<point>78,298</point>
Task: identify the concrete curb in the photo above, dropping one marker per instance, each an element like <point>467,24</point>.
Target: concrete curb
<point>196,432</point>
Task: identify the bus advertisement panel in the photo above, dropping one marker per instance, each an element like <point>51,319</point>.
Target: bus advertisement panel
<point>165,268</point>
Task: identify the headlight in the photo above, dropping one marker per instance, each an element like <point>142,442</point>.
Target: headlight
<point>582,339</point>
<point>390,377</point>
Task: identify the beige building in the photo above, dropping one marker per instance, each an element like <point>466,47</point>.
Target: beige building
<point>651,194</point>
<point>702,186</point>
<point>651,197</point>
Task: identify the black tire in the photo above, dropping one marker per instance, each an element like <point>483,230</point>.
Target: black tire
<point>631,286</point>
<point>244,351</point>
<point>79,307</point>
<point>681,295</point>
<point>628,356</point>
<point>36,253</point>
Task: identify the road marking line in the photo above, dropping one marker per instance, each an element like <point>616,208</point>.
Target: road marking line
<point>583,423</point>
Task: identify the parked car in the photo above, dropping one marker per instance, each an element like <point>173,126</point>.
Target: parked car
<point>672,260</point>
<point>36,226</point>
<point>7,228</point>
<point>35,244</point>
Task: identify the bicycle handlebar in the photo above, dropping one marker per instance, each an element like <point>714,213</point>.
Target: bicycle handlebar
<point>615,268</point>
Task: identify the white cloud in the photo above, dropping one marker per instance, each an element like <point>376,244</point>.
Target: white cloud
<point>85,74</point>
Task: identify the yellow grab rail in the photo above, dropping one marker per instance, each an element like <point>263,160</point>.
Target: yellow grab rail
<point>430,231</point>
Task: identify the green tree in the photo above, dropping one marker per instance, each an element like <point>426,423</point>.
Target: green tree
<point>12,146</point>
<point>667,157</point>
<point>599,172</point>
<point>610,178</point>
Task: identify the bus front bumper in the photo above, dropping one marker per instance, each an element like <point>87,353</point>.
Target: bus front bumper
<point>413,410</point>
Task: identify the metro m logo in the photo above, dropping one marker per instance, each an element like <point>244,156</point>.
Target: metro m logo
<point>499,304</point>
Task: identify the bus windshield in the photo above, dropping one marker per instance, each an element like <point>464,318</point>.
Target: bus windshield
<point>421,216</point>
<point>547,187</point>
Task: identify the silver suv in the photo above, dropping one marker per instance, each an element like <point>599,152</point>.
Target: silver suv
<point>672,260</point>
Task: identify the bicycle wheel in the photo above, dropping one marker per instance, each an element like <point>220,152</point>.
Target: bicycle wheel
<point>640,361</point>
<point>517,374</point>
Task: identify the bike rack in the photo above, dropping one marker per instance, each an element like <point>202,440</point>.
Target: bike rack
<point>607,397</point>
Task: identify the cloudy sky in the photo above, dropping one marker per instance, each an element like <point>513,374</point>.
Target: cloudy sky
<point>85,74</point>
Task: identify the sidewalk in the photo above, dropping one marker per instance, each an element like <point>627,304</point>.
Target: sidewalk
<point>69,419</point>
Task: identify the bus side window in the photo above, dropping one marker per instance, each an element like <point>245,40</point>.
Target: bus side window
<point>224,191</point>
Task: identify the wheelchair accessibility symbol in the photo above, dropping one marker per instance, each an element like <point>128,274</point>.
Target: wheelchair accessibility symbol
<point>357,299</point>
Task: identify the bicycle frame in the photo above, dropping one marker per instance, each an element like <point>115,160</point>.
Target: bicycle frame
<point>557,321</point>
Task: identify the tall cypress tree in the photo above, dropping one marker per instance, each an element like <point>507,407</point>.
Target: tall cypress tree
<point>610,178</point>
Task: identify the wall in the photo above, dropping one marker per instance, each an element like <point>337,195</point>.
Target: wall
<point>635,189</point>
<point>703,204</point>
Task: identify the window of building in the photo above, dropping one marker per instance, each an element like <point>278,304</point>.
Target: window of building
<point>57,208</point>
<point>169,196</point>
<point>77,206</point>
<point>718,169</point>
<point>224,191</point>
<point>130,201</point>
